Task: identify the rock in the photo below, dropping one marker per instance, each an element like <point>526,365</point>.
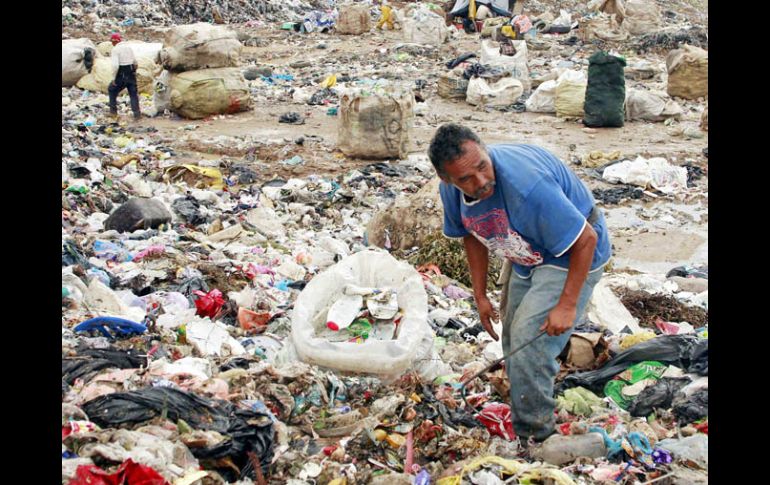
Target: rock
<point>410,219</point>
<point>138,213</point>
<point>253,72</point>
<point>298,64</point>
<point>558,449</point>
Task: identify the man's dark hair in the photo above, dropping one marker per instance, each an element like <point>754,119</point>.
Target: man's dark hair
<point>447,145</point>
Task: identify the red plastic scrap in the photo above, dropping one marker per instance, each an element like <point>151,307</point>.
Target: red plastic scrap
<point>209,304</point>
<point>496,416</point>
<point>129,473</point>
<point>328,450</point>
<point>703,427</point>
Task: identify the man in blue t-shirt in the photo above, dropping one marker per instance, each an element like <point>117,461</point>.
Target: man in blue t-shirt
<point>522,204</point>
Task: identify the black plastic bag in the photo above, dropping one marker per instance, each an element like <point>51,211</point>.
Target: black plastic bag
<point>605,92</point>
<point>693,408</point>
<point>459,60</point>
<point>657,396</point>
<point>188,208</point>
<point>247,430</point>
<point>687,352</point>
<point>93,360</point>
<point>190,285</point>
<point>71,255</point>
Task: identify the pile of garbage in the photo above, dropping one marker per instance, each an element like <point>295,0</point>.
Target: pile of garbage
<point>144,13</point>
<point>246,307</point>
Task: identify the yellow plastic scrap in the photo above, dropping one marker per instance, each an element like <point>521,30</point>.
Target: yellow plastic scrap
<point>339,481</point>
<point>395,440</point>
<point>508,31</point>
<point>329,82</point>
<point>598,158</point>
<point>212,177</point>
<point>122,141</point>
<point>637,338</point>
<point>510,467</point>
<point>545,475</point>
<point>414,397</point>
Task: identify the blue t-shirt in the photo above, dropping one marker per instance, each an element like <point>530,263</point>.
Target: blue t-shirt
<point>537,211</point>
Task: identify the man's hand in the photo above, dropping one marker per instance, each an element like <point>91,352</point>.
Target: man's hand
<point>487,313</point>
<point>559,320</point>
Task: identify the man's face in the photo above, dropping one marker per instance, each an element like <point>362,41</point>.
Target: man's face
<point>472,173</point>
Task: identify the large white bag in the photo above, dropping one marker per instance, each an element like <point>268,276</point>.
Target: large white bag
<point>641,17</point>
<point>103,73</point>
<point>503,92</point>
<point>149,50</point>
<point>650,106</point>
<point>425,27</point>
<point>515,64</point>
<point>543,99</point>
<point>570,94</point>
<point>206,92</point>
<point>381,357</point>
<point>73,57</point>
<point>200,46</point>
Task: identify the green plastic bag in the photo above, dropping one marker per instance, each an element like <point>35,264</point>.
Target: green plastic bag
<point>579,400</point>
<point>605,92</point>
<point>648,369</point>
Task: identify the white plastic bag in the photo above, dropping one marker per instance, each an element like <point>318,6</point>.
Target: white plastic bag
<point>564,20</point>
<point>543,99</point>
<point>515,64</point>
<point>212,338</point>
<point>503,92</point>
<point>607,311</point>
<point>655,172</point>
<point>382,357</point>
<point>694,448</point>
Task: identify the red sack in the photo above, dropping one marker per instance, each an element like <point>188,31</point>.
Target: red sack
<point>129,473</point>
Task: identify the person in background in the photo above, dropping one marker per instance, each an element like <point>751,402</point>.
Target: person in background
<point>124,67</point>
<point>386,16</point>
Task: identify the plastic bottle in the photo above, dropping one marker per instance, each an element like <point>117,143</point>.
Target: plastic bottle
<point>558,450</point>
<point>344,311</point>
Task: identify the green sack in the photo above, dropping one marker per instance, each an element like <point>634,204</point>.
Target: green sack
<point>643,370</point>
<point>606,91</point>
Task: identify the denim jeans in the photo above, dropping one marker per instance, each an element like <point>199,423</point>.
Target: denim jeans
<point>532,370</point>
<point>125,79</point>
